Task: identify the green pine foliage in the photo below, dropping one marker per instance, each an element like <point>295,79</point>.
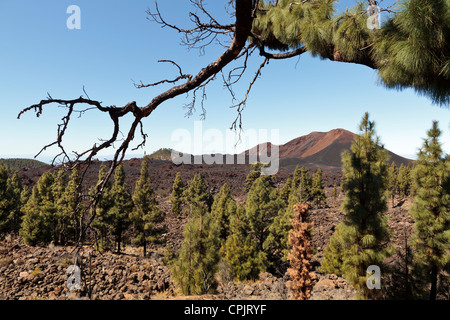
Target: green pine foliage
<point>286,191</point>
<point>197,193</point>
<point>262,207</point>
<point>361,239</point>
<point>335,191</point>
<point>64,225</point>
<point>254,174</point>
<point>39,222</point>
<point>276,245</point>
<point>302,185</point>
<point>4,203</point>
<point>177,199</point>
<point>122,205</point>
<point>31,226</point>
<point>297,177</point>
<point>240,252</point>
<point>102,220</point>
<point>404,181</point>
<point>392,181</point>
<point>10,201</point>
<point>73,207</point>
<point>169,255</point>
<point>430,210</point>
<point>318,188</point>
<point>14,192</point>
<point>223,207</point>
<point>196,265</point>
<point>24,197</point>
<point>333,258</point>
<point>146,213</point>
<point>410,51</point>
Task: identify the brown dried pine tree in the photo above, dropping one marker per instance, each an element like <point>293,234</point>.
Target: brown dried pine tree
<point>301,253</point>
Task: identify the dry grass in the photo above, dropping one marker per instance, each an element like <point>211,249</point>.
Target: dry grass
<point>35,272</point>
<point>5,262</point>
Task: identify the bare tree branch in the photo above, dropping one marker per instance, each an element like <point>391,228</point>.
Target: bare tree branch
<point>180,77</point>
<point>205,30</point>
<point>240,30</point>
<point>202,34</point>
<point>237,123</point>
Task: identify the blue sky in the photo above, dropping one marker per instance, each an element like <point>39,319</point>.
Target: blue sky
<point>116,43</point>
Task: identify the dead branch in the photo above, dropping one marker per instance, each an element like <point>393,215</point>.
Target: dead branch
<point>180,77</point>
<point>202,34</point>
<point>237,123</point>
<point>240,29</point>
<point>204,31</point>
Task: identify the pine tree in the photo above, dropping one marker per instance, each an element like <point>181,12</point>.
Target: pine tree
<point>318,188</point>
<point>10,202</point>
<point>297,176</point>
<point>169,255</point>
<point>197,193</point>
<point>361,239</point>
<point>196,264</point>
<point>254,174</point>
<point>286,191</point>
<point>402,282</point>
<point>4,199</point>
<point>72,207</point>
<point>15,212</point>
<point>335,192</point>
<point>430,210</point>
<point>223,207</point>
<point>40,219</point>
<point>122,206</point>
<point>404,181</point>
<point>412,186</point>
<point>333,258</point>
<point>177,195</point>
<point>31,223</point>
<point>392,181</point>
<point>63,221</point>
<point>300,254</point>
<point>146,213</point>
<point>24,197</point>
<point>102,221</point>
<point>262,207</point>
<point>240,251</point>
<point>302,185</point>
<point>276,245</point>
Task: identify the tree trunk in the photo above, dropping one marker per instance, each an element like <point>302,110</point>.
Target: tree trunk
<point>433,290</point>
<point>189,260</point>
<point>119,240</point>
<point>145,247</point>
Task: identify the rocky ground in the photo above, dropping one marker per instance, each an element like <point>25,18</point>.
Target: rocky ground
<point>41,272</point>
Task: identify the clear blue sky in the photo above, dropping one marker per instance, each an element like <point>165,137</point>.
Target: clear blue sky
<point>116,43</point>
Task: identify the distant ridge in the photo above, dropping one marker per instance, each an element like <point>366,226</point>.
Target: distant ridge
<point>317,149</point>
<point>19,163</point>
<point>162,154</point>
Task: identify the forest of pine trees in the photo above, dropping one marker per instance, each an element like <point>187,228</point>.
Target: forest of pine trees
<point>268,231</point>
<point>53,212</point>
